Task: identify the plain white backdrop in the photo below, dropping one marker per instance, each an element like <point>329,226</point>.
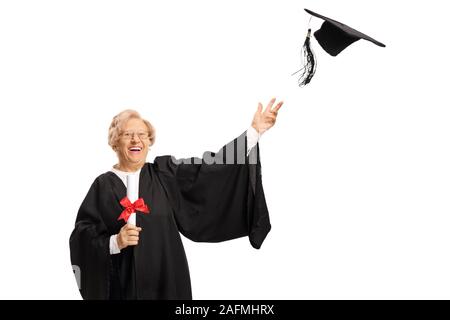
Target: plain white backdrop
<point>356,171</point>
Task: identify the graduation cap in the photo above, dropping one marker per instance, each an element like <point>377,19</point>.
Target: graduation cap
<point>333,37</point>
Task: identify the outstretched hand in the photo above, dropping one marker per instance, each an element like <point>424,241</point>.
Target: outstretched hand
<point>263,121</point>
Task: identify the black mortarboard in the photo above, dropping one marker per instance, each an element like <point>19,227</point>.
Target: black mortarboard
<point>333,37</point>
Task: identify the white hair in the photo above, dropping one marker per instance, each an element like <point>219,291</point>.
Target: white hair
<point>120,119</point>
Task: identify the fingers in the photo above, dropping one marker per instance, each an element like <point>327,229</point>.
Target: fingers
<point>274,110</point>
<point>260,107</point>
<point>130,243</point>
<point>127,240</point>
<point>132,233</point>
<point>277,107</point>
<point>269,106</point>
<point>129,226</point>
<point>129,235</point>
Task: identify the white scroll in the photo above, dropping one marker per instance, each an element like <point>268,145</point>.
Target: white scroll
<point>132,194</point>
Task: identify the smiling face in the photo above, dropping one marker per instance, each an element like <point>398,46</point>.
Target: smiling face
<point>133,145</point>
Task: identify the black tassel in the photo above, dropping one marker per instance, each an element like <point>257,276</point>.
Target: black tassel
<point>309,63</point>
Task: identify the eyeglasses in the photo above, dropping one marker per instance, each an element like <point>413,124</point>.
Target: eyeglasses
<point>128,135</point>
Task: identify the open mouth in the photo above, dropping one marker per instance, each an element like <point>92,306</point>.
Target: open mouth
<point>135,149</point>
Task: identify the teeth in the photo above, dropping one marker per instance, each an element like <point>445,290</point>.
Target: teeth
<point>135,149</point>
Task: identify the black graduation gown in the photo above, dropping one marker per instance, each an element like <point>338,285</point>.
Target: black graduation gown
<point>205,202</point>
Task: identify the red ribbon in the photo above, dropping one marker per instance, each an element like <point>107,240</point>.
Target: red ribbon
<point>138,205</point>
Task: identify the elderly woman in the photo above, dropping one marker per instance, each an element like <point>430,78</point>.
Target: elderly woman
<point>216,198</point>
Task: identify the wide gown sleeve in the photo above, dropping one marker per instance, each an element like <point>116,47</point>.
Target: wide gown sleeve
<point>220,196</point>
<point>89,248</point>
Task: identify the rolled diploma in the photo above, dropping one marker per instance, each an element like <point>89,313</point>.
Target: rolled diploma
<point>132,194</point>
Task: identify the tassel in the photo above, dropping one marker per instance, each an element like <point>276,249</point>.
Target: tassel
<point>309,63</point>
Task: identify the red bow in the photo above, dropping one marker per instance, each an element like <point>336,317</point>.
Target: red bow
<point>138,205</point>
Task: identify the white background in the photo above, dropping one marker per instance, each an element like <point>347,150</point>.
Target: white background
<point>356,171</point>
